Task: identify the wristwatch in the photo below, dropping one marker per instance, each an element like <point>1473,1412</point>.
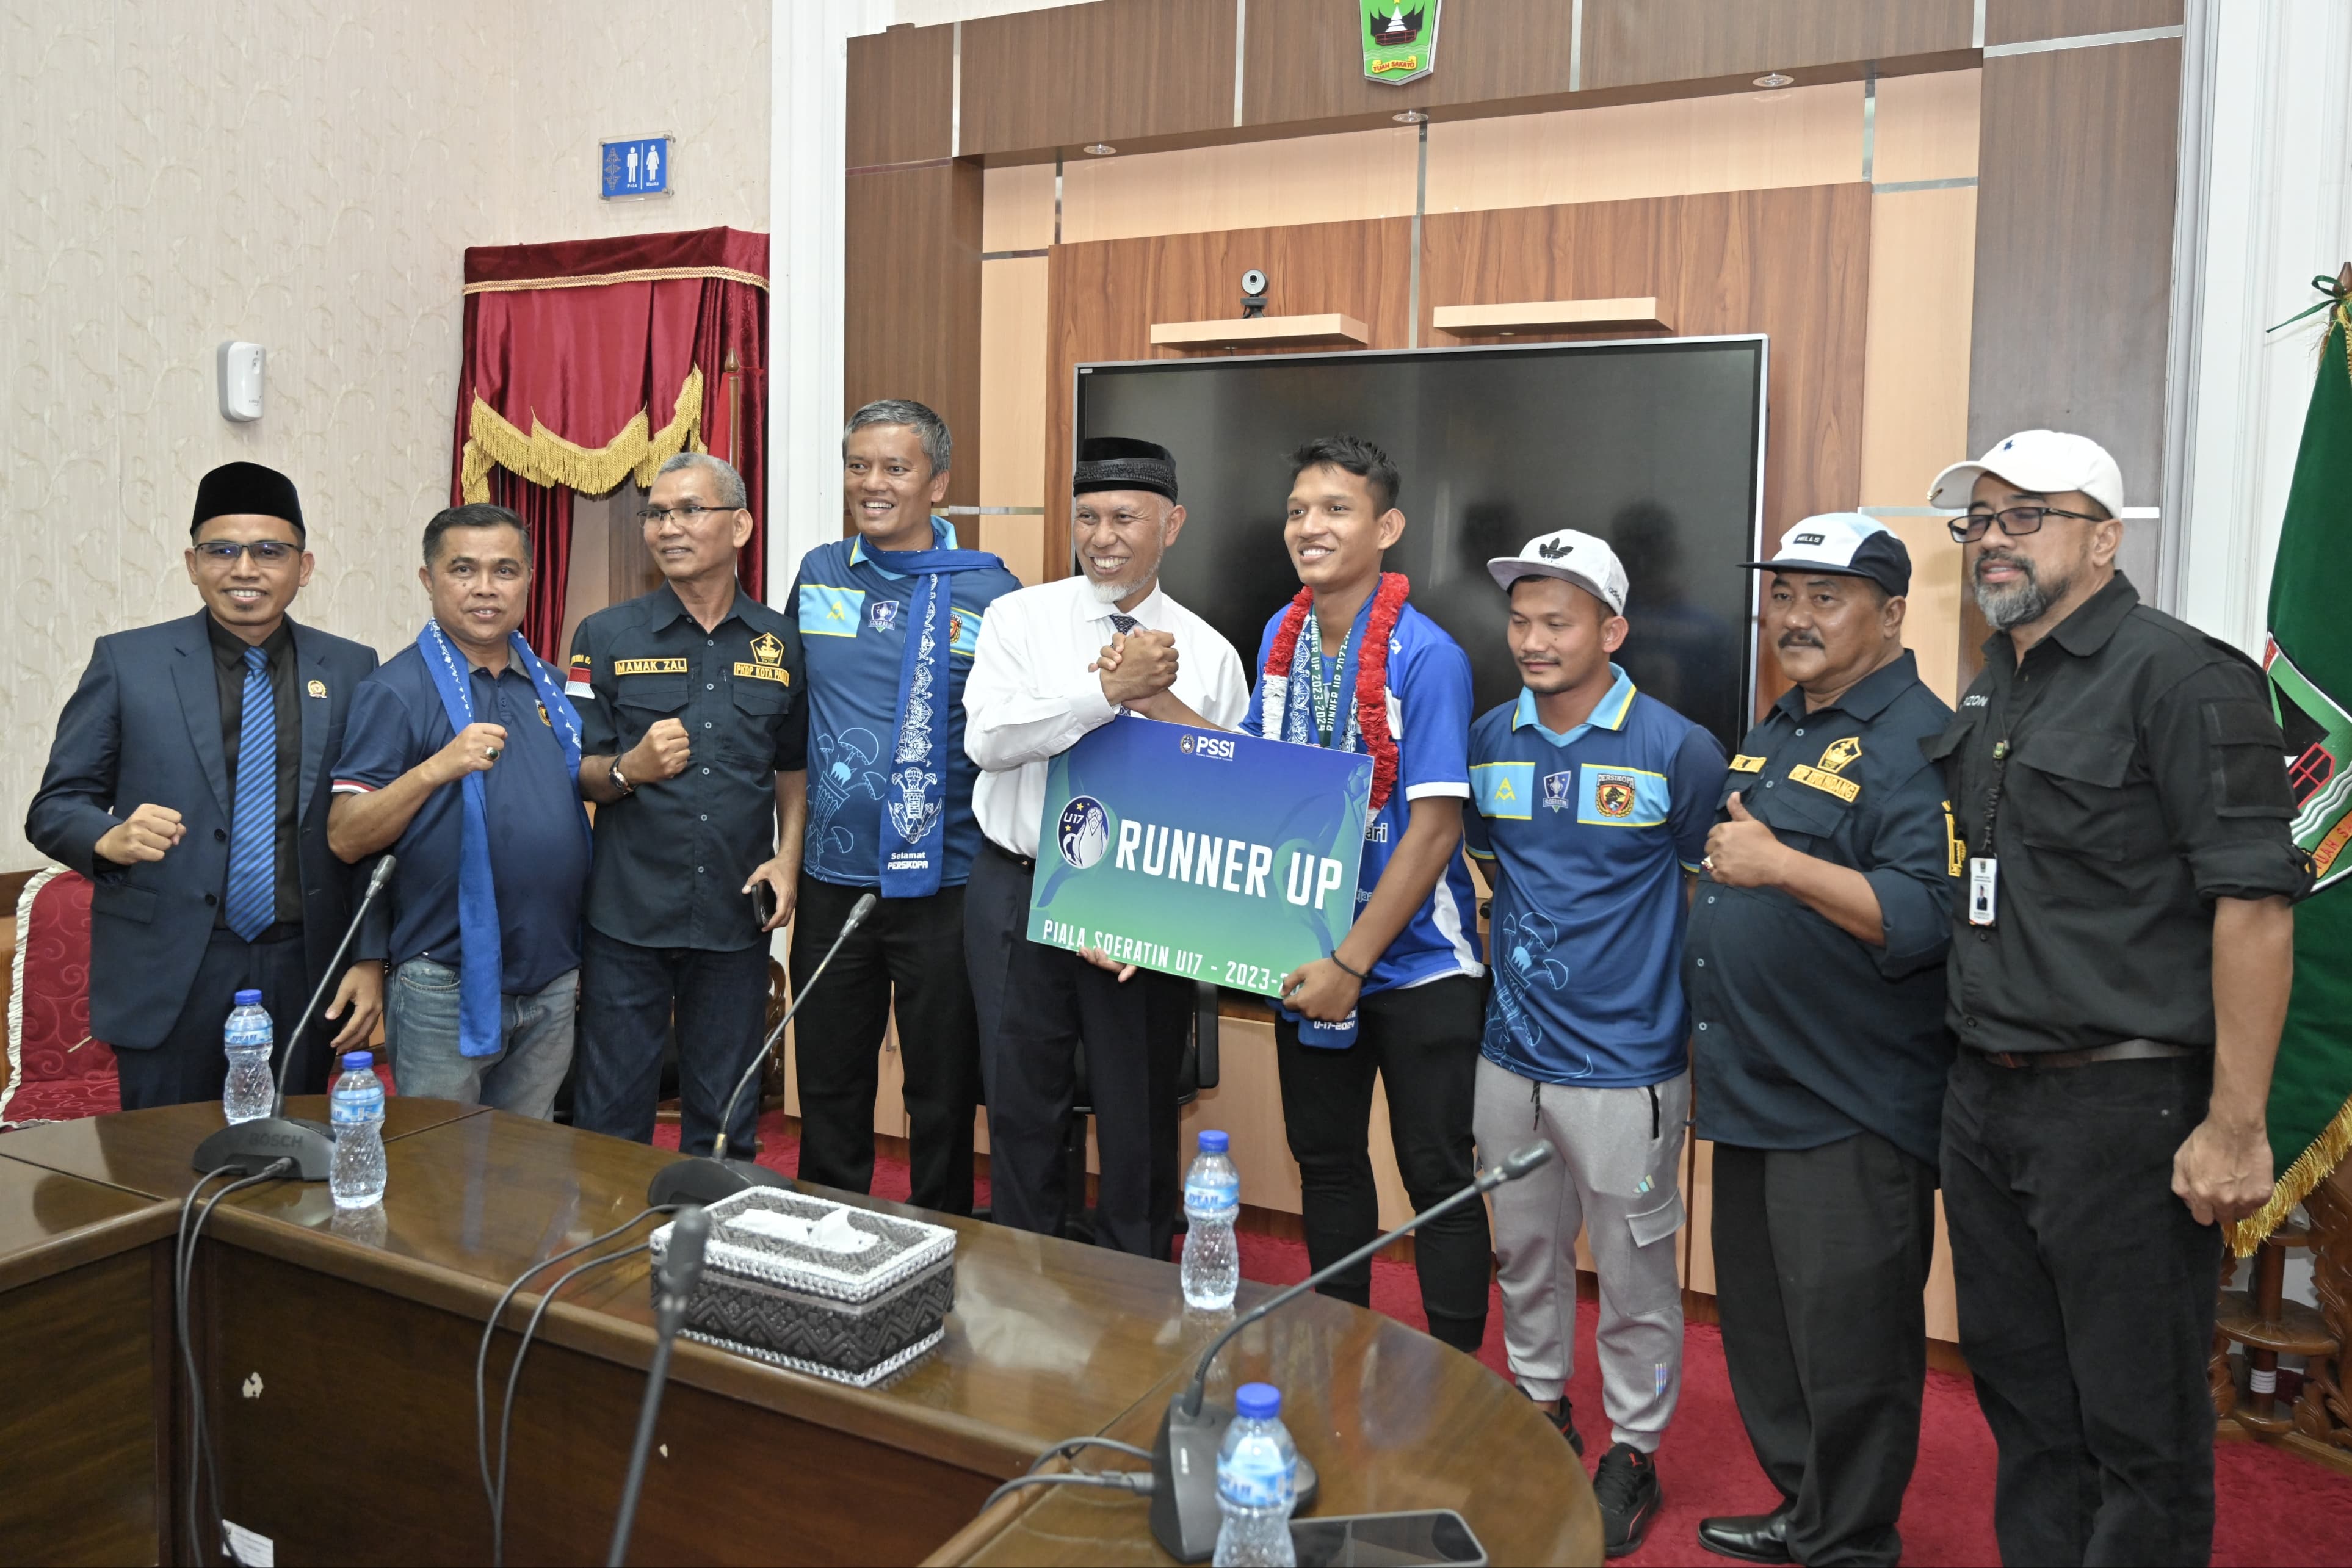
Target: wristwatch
<point>621,781</point>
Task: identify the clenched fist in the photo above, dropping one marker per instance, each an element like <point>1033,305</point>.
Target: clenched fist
<point>473,749</point>
<point>662,754</point>
<point>150,831</point>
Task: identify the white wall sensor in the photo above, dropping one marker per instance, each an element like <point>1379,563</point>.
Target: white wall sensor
<point>240,381</point>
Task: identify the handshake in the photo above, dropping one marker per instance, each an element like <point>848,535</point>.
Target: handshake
<point>1138,669</point>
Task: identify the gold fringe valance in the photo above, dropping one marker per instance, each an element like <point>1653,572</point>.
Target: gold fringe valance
<point>2310,1168</point>
<point>544,457</point>
<point>636,275</point>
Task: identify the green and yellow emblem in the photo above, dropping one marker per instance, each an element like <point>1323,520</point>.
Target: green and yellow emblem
<point>1400,39</point>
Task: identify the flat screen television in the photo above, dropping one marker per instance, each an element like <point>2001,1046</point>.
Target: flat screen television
<point>1654,444</point>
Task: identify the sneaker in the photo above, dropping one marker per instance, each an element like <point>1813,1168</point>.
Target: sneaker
<point>1625,1484</point>
<point>1563,1419</point>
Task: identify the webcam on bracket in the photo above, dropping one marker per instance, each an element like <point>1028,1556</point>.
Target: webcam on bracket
<point>1254,287</point>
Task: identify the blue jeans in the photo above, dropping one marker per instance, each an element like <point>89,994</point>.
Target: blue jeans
<point>420,1030</point>
<point>630,999</point>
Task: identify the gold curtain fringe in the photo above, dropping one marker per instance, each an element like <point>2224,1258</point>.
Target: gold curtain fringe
<point>637,275</point>
<point>544,457</point>
<point>2310,1168</point>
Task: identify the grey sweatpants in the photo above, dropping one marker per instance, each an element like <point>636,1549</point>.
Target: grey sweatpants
<point>1616,1174</point>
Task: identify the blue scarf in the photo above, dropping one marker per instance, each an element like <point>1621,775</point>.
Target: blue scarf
<point>479,972</point>
<point>1301,725</point>
<point>914,828</point>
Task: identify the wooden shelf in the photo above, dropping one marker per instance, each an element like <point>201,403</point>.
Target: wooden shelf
<point>1548,316</point>
<point>1330,331</point>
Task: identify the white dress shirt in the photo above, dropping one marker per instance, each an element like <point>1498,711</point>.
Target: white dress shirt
<point>1030,696</point>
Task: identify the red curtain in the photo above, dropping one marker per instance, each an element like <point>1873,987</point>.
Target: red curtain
<point>546,514</point>
<point>592,362</point>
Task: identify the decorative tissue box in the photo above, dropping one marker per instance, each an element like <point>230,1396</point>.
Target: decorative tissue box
<point>818,1286</point>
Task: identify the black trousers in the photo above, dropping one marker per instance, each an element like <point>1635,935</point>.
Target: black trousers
<point>630,998</point>
<point>1820,1262</point>
<point>1423,1044</point>
<point>1038,1007</point>
<point>2087,1296</point>
<point>908,954</point>
<point>191,1064</point>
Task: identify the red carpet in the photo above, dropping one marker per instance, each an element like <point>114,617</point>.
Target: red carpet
<point>2274,1508</point>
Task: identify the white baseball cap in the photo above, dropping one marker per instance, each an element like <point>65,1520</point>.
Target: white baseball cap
<point>1843,544</point>
<point>1571,557</point>
<point>2042,461</point>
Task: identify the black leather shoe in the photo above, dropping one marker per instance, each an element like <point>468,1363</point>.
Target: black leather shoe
<point>1751,1536</point>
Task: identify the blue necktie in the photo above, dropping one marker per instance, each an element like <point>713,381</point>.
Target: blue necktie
<point>1123,624</point>
<point>253,819</point>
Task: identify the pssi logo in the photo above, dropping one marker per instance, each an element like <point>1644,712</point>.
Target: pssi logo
<point>1213,746</point>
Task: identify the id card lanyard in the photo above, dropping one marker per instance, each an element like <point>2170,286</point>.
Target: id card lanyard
<point>1328,702</point>
<point>1984,870</point>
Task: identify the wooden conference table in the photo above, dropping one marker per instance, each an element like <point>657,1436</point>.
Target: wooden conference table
<point>338,1364</point>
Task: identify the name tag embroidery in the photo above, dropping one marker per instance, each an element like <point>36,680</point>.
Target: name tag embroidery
<point>1843,789</point>
<point>649,666</point>
<point>1744,764</point>
<point>781,676</point>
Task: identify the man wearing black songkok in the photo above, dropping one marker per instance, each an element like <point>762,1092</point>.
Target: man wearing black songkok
<point>188,781</point>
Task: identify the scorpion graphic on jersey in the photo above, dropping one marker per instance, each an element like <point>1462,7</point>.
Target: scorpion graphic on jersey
<point>843,775</point>
<point>1523,945</point>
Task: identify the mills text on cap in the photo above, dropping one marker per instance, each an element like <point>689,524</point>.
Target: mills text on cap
<point>1571,557</point>
<point>2041,461</point>
<point>1117,462</point>
<point>1843,544</point>
<point>246,489</point>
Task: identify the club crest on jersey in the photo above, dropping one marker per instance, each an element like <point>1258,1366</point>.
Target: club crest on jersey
<point>1613,795</point>
<point>882,614</point>
<point>1555,786</point>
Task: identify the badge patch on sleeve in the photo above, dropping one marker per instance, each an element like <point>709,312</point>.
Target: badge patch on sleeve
<point>577,682</point>
<point>1745,764</point>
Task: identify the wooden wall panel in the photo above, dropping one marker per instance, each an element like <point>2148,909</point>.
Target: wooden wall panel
<point>1790,263</point>
<point>2022,21</point>
<point>1630,42</point>
<point>1928,127</point>
<point>1102,298</point>
<point>912,303</point>
<point>1739,141</point>
<point>2074,255</point>
<point>1069,75</point>
<point>1297,180</point>
<point>1019,209</point>
<point>901,95</point>
<point>1304,62</point>
<point>1914,416</point>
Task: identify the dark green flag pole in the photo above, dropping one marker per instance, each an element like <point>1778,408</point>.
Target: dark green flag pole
<point>2309,663</point>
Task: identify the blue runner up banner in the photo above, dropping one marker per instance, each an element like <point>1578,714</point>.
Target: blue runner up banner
<point>1203,853</point>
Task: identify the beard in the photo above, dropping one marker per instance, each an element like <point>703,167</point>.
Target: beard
<point>2021,602</point>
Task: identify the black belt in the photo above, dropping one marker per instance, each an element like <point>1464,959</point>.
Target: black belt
<point>1026,862</point>
<point>2122,1050</point>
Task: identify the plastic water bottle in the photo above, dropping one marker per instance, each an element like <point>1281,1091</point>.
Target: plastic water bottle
<point>1212,1267</point>
<point>249,1093</point>
<point>357,1109</point>
<point>1257,1473</point>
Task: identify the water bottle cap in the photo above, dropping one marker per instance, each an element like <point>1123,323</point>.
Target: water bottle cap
<point>358,1061</point>
<point>1213,1143</point>
<point>248,999</point>
<point>1257,1401</point>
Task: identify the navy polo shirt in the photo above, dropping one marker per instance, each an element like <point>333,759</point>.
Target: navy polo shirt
<point>1595,831</point>
<point>853,619</point>
<point>538,853</point>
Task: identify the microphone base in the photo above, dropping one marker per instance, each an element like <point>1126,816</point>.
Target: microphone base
<point>1185,1517</point>
<point>249,1147</point>
<point>704,1180</point>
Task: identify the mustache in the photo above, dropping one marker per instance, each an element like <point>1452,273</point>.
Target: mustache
<point>1798,640</point>
<point>2005,557</point>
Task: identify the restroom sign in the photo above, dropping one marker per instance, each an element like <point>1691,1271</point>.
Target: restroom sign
<point>636,166</point>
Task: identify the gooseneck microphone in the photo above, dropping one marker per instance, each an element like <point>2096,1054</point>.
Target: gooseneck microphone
<point>250,1146</point>
<point>1184,1513</point>
<point>708,1178</point>
<point>682,1266</point>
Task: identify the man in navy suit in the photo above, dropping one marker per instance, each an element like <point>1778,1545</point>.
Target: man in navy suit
<point>189,780</point>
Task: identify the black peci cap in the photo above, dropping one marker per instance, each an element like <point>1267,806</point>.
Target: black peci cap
<point>247,489</point>
<point>1115,462</point>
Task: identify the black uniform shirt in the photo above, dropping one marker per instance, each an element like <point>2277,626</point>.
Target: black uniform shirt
<point>2142,778</point>
<point>671,859</point>
<point>228,670</point>
<point>1802,1035</point>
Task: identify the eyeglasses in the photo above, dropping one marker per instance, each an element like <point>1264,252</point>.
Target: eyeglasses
<point>2016,522</point>
<point>265,552</point>
<point>689,514</point>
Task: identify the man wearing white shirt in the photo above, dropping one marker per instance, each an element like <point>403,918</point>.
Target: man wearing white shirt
<point>1054,663</point>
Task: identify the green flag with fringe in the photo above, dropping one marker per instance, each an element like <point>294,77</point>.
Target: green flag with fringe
<point>2309,662</point>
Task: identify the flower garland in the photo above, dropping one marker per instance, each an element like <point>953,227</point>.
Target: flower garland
<point>1371,673</point>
